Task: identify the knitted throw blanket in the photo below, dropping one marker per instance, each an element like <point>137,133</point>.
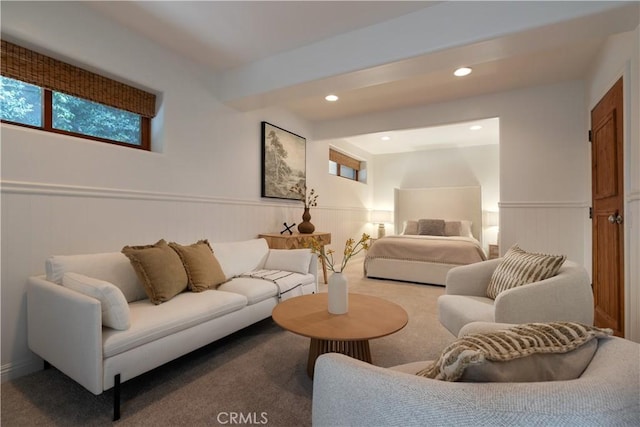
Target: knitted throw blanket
<point>289,284</point>
<point>515,342</point>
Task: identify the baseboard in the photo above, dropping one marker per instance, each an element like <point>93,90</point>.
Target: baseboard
<point>10,371</point>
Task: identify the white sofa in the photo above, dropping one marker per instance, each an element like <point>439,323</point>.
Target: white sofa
<point>65,327</point>
<point>349,392</point>
<point>567,296</point>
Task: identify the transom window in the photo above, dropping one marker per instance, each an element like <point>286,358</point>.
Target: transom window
<point>43,93</point>
<point>346,166</point>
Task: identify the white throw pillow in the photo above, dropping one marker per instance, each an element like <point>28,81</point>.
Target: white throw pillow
<point>465,229</point>
<point>112,267</point>
<point>115,309</point>
<point>237,258</point>
<point>294,260</point>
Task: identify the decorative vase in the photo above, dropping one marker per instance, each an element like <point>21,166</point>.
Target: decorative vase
<point>338,294</point>
<point>305,227</point>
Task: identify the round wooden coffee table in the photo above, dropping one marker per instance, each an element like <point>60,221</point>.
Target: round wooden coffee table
<point>368,317</point>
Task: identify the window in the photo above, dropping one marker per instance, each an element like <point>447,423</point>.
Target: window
<point>44,93</point>
<point>20,102</point>
<point>345,166</point>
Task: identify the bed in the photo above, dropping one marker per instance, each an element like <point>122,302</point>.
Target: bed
<point>414,253</point>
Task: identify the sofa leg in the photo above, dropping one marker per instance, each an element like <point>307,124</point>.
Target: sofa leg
<point>116,397</point>
<point>47,365</point>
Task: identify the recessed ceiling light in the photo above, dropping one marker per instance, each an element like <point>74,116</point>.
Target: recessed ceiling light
<point>461,72</point>
<point>475,127</point>
<point>385,138</point>
<point>331,98</point>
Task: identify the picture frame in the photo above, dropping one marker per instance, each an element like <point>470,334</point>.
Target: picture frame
<point>284,162</point>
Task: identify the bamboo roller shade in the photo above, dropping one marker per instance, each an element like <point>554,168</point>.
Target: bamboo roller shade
<point>344,160</point>
<point>31,67</point>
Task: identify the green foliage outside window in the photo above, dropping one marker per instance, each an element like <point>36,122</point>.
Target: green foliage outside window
<point>23,103</point>
<point>20,102</point>
<point>78,115</point>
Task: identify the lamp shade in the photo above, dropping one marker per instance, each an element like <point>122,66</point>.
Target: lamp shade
<point>491,218</point>
<point>381,217</point>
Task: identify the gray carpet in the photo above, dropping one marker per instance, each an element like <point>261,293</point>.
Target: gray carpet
<point>259,372</point>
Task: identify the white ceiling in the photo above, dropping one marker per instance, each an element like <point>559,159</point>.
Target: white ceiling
<point>229,34</point>
<point>431,138</point>
<point>241,39</point>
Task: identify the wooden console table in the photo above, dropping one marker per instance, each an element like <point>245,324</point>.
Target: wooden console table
<point>299,241</point>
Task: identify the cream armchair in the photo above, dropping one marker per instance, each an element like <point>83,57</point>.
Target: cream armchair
<point>348,392</point>
<point>567,296</point>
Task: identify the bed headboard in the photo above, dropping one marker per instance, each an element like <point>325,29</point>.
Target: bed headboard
<point>452,203</point>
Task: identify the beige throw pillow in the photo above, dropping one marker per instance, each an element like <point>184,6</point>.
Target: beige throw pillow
<point>452,228</point>
<point>518,343</point>
<point>202,267</point>
<point>160,270</point>
<point>410,228</point>
<point>519,268</point>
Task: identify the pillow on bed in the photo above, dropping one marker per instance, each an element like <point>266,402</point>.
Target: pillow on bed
<point>431,227</point>
<point>452,228</point>
<point>465,229</point>
<point>410,228</point>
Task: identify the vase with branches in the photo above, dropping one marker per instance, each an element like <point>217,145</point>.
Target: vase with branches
<point>351,249</point>
<point>338,291</point>
<point>309,199</point>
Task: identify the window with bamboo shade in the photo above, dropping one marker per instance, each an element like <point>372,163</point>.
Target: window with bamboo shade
<point>44,93</point>
<point>345,166</point>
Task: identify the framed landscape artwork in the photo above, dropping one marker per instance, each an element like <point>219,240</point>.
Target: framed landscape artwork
<point>284,159</point>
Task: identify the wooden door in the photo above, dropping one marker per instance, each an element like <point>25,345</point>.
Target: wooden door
<point>608,215</point>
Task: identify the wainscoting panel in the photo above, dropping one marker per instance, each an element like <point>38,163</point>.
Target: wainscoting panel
<point>39,220</point>
<point>548,227</point>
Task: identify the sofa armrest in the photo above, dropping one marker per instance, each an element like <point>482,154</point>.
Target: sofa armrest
<point>65,329</point>
<point>348,392</point>
<point>471,279</point>
<point>564,297</point>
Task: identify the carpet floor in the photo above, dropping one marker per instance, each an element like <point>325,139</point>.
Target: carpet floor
<point>255,376</point>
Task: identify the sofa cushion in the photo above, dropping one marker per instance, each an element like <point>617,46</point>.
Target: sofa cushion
<point>255,290</point>
<point>151,322</point>
<point>202,267</point>
<point>294,260</point>
<point>515,343</point>
<point>519,268</point>
<point>239,257</point>
<point>160,270</point>
<point>112,267</point>
<point>115,309</point>
<point>455,311</point>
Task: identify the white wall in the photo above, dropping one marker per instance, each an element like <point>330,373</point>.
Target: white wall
<point>457,167</point>
<point>619,57</point>
<point>63,195</point>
